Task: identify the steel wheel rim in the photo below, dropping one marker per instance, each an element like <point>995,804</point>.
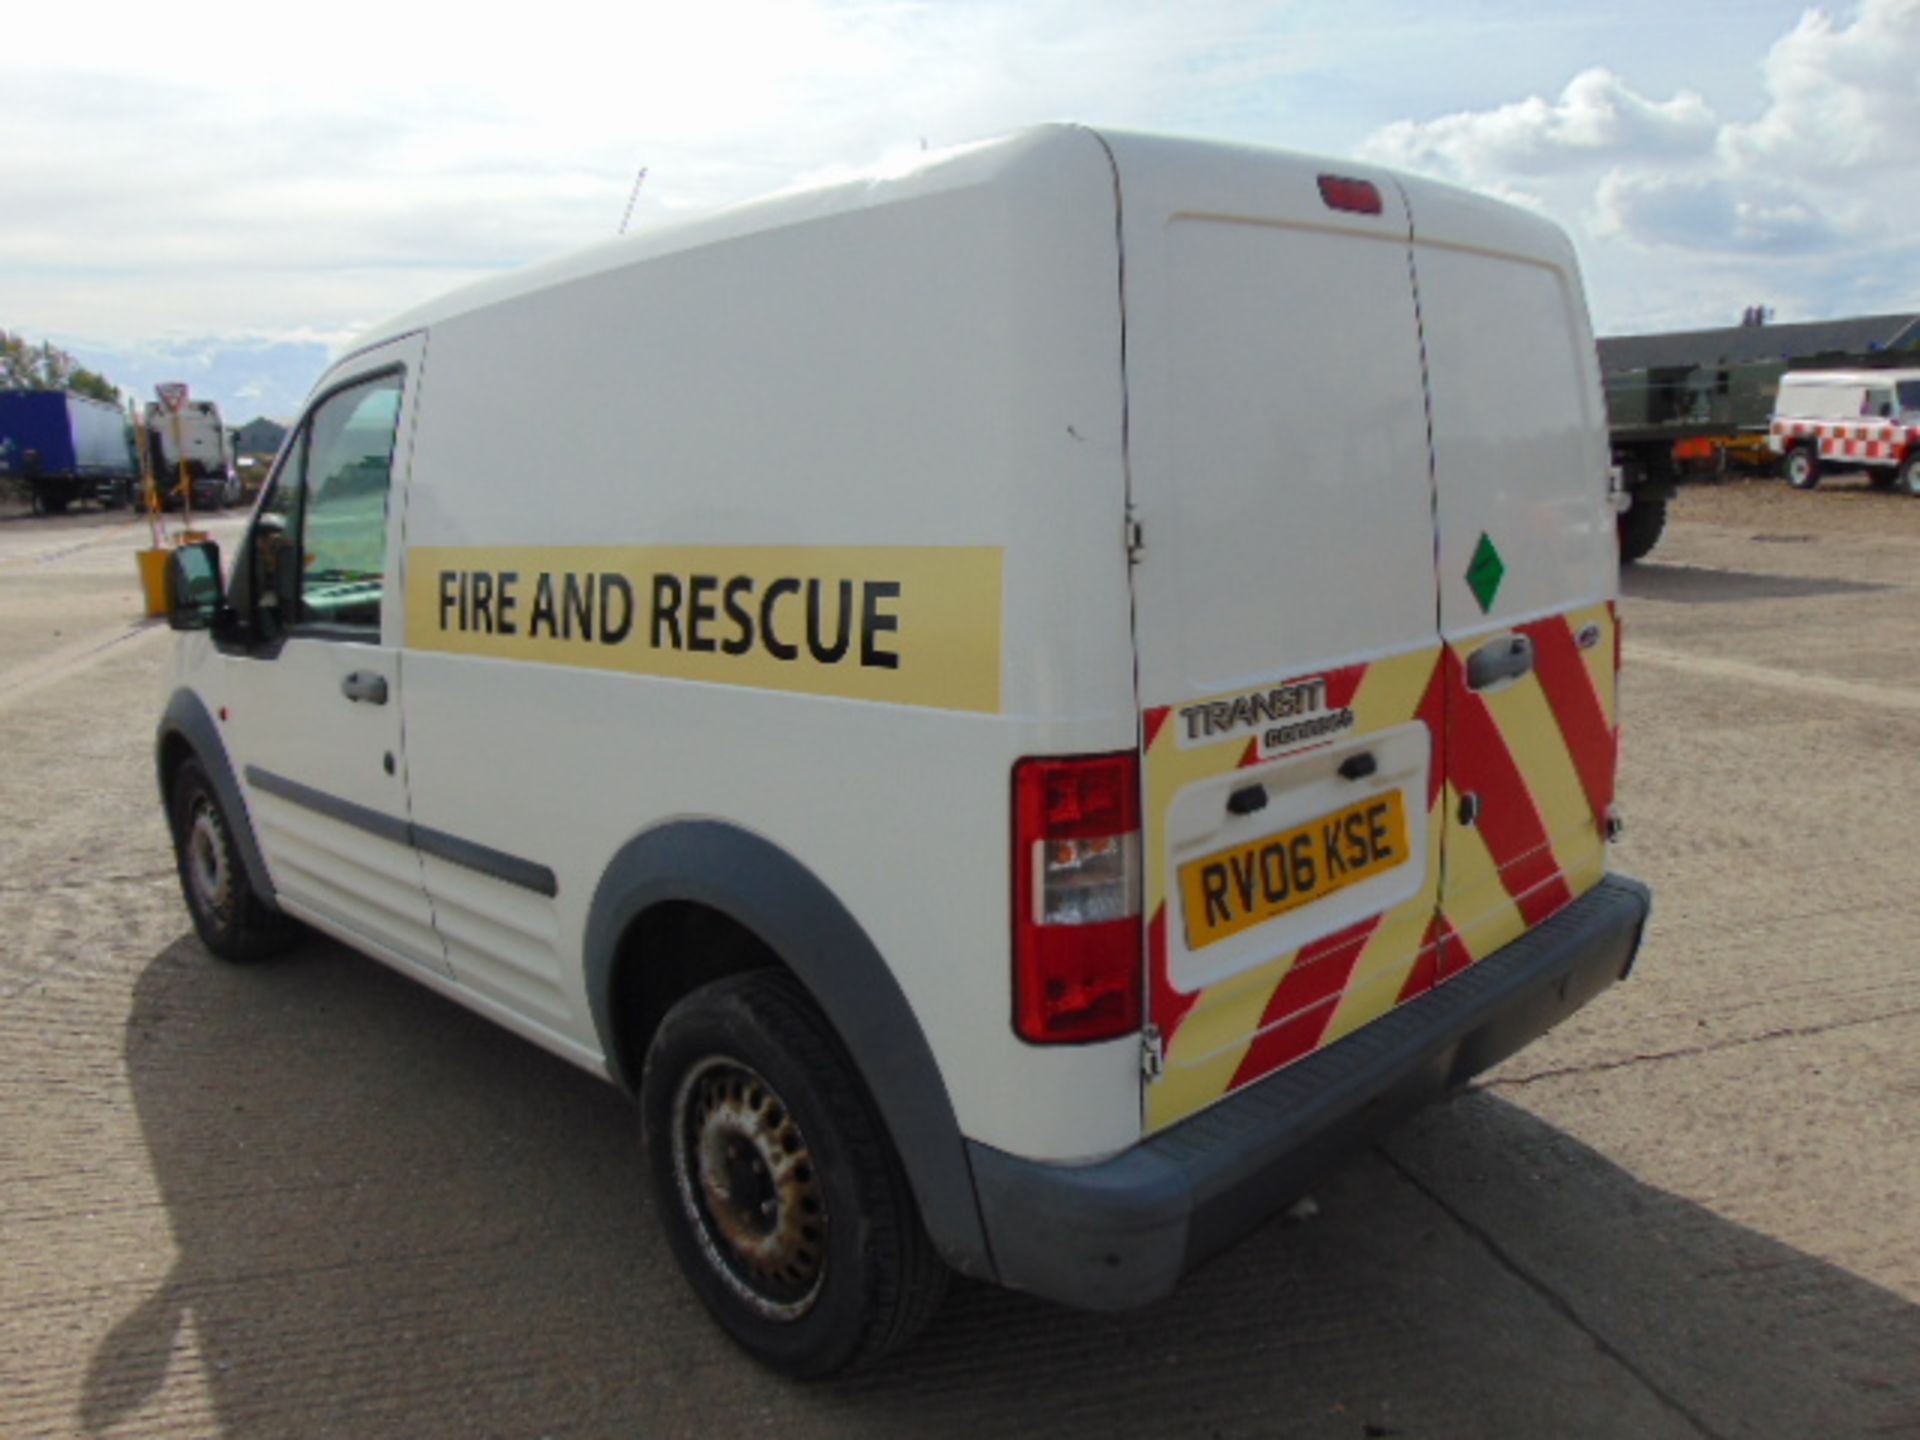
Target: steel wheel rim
<point>207,866</point>
<point>750,1188</point>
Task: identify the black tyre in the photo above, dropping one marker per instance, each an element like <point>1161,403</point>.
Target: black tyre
<point>1641,525</point>
<point>1801,467</point>
<point>780,1193</point>
<point>1909,475</point>
<point>233,921</point>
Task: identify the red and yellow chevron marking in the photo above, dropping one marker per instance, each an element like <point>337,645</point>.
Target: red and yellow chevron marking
<point>1540,757</point>
<point>1261,1018</point>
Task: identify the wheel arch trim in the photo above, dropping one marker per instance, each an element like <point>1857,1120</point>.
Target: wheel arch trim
<point>187,720</point>
<point>789,909</point>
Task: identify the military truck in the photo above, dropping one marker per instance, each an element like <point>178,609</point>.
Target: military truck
<point>1671,423</point>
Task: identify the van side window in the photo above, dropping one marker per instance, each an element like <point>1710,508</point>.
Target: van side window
<point>269,572</point>
<point>1878,402</point>
<point>316,555</point>
<point>343,527</point>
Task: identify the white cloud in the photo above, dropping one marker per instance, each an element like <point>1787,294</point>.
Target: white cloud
<point>246,375</point>
<point>1691,213</point>
<point>1842,98</point>
<point>1808,203</point>
<point>1598,117</point>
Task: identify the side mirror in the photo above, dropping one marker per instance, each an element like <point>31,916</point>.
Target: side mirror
<point>194,591</point>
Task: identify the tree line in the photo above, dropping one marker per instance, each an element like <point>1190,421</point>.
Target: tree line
<point>27,366</point>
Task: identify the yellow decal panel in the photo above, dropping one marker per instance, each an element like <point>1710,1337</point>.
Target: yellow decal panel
<point>906,625</point>
<point>1235,889</point>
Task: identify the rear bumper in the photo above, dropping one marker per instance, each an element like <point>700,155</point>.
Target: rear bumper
<point>1122,1232</point>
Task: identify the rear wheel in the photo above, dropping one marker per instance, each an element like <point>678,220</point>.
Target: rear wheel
<point>781,1196</point>
<point>1802,468</point>
<point>1641,525</point>
<point>233,921</point>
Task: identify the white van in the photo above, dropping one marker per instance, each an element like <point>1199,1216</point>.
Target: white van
<point>1853,419</point>
<point>1024,707</point>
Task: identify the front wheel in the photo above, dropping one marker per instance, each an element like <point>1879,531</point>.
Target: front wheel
<point>233,921</point>
<point>1802,468</point>
<point>782,1199</point>
<point>1909,474</point>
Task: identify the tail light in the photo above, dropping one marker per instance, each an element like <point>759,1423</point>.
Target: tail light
<point>1076,898</point>
<point>1341,192</point>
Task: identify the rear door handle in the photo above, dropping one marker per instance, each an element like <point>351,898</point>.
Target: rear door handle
<point>1499,661</point>
<point>365,687</point>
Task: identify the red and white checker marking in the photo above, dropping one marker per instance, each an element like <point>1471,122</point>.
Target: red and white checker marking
<point>1870,440</point>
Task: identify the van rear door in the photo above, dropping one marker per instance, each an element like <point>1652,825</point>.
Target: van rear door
<point>1285,608</point>
<point>1528,567</point>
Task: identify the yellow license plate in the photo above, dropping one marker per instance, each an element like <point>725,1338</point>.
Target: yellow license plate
<point>1235,889</point>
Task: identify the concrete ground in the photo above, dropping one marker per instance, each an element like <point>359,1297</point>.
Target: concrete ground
<point>311,1199</point>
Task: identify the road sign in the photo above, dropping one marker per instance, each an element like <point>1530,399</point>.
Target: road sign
<point>172,393</point>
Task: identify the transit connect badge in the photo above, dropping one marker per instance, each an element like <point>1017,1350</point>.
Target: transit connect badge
<point>1485,572</point>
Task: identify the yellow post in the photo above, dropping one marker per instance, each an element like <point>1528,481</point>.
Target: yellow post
<point>186,485</point>
<point>153,577</point>
<point>149,497</point>
<point>151,563</point>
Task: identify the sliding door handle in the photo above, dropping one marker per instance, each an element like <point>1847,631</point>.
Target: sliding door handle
<point>364,687</point>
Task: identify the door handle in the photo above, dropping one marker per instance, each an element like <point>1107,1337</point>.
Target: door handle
<point>365,687</point>
<point>1247,800</point>
<point>1498,661</point>
<point>1358,767</point>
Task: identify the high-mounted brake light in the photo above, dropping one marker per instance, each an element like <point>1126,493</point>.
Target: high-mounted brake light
<point>1076,898</point>
<point>1362,197</point>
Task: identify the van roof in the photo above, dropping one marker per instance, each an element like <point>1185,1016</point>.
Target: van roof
<point>1847,377</point>
<point>1476,218</point>
<point>926,173</point>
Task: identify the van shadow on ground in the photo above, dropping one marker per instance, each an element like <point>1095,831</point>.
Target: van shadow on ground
<point>393,1219</point>
<point>1702,585</point>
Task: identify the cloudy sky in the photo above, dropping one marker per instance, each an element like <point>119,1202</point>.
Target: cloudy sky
<point>226,196</point>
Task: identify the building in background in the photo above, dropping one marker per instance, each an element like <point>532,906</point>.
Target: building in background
<point>258,437</point>
<point>1744,344</point>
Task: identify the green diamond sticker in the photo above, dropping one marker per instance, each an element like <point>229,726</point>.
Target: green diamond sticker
<point>1485,572</point>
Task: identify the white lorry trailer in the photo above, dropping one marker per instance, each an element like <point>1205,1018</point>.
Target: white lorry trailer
<point>193,444</point>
